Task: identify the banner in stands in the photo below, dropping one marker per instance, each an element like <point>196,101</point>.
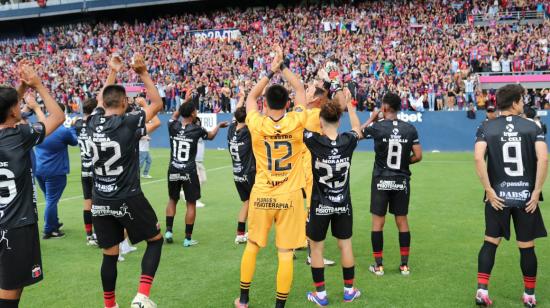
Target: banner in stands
<point>438,131</point>
<point>216,34</point>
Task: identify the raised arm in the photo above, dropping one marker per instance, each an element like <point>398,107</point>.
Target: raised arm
<point>541,150</point>
<point>138,65</point>
<point>242,96</point>
<point>56,116</point>
<point>373,117</point>
<point>115,66</point>
<point>295,82</point>
<point>258,89</point>
<point>353,118</point>
<point>153,125</point>
<point>30,100</point>
<point>212,134</point>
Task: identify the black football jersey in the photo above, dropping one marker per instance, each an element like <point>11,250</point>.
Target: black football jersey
<point>85,151</point>
<point>511,157</point>
<point>393,142</point>
<point>17,194</point>
<point>331,162</point>
<point>183,145</point>
<point>114,144</point>
<point>240,148</point>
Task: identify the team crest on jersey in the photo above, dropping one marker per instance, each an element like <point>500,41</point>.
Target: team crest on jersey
<point>510,127</point>
<point>36,271</point>
<point>99,129</point>
<point>395,131</point>
<point>334,151</point>
<point>308,134</point>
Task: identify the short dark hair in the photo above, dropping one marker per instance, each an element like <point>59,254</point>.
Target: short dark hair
<point>277,97</point>
<point>89,105</point>
<point>392,100</point>
<point>186,109</point>
<point>507,95</point>
<point>320,92</point>
<point>331,112</point>
<point>8,99</point>
<point>113,96</point>
<point>240,114</point>
<point>529,112</point>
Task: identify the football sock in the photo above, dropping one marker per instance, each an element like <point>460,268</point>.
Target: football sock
<point>149,265</point>
<point>349,276</point>
<point>285,272</point>
<point>188,231</point>
<point>248,265</point>
<point>528,262</point>
<point>377,239</point>
<point>241,227</point>
<point>108,279</point>
<point>404,244</point>
<point>88,222</point>
<point>9,303</point>
<point>485,262</point>
<point>169,223</point>
<point>318,274</point>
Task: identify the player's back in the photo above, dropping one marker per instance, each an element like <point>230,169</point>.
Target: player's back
<point>17,198</point>
<point>183,144</point>
<point>86,154</point>
<point>331,166</point>
<point>393,143</point>
<point>278,148</point>
<point>240,148</point>
<point>511,156</point>
<point>114,143</point>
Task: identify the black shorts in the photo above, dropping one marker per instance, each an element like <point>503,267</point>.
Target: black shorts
<point>320,216</point>
<point>20,259</point>
<point>528,226</point>
<point>135,214</point>
<point>189,182</point>
<point>391,192</point>
<point>245,187</point>
<point>87,187</point>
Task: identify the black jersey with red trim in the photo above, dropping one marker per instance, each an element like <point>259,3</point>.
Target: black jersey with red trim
<point>393,143</point>
<point>17,194</point>
<point>331,163</point>
<point>114,144</point>
<point>511,156</point>
<point>183,145</point>
<point>240,148</point>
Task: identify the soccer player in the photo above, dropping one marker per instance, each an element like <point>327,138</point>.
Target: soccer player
<point>20,258</point>
<point>396,146</point>
<point>86,167</point>
<point>244,164</point>
<point>277,194</point>
<point>512,177</point>
<point>118,202</point>
<point>182,172</point>
<point>331,201</point>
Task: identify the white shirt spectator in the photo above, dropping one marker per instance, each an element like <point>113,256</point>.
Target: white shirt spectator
<point>144,144</point>
<point>505,64</point>
<point>468,86</point>
<point>200,151</point>
<point>495,65</point>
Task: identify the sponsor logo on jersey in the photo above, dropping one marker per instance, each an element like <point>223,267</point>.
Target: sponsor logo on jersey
<point>271,204</point>
<point>336,199</point>
<point>36,271</point>
<point>240,179</point>
<point>325,210</point>
<point>514,184</point>
<point>391,185</point>
<point>106,188</point>
<point>412,117</point>
<point>105,210</point>
<point>179,177</point>
<point>523,195</point>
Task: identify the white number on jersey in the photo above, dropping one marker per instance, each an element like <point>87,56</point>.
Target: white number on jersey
<point>85,149</point>
<point>326,179</point>
<point>9,183</point>
<point>394,154</point>
<point>111,161</point>
<point>181,150</point>
<point>517,159</point>
<point>234,151</point>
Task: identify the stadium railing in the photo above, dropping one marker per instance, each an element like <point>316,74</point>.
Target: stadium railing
<point>529,79</point>
<point>522,17</point>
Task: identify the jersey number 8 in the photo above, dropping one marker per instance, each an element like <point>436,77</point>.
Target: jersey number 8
<point>394,154</point>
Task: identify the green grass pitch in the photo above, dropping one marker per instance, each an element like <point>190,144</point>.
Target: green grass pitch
<point>446,218</point>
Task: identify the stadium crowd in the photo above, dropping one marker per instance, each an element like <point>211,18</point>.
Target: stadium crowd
<point>424,51</point>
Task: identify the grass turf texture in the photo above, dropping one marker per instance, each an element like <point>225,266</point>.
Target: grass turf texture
<point>447,225</point>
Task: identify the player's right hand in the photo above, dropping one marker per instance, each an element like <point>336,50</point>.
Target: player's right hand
<point>138,64</point>
<point>116,63</point>
<point>30,100</point>
<point>29,76</point>
<point>496,202</point>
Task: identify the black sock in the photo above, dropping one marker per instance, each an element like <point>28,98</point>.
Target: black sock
<point>349,275</point>
<point>280,303</point>
<point>169,223</point>
<point>241,227</point>
<point>109,272</point>
<point>9,303</point>
<point>151,258</point>
<point>485,262</point>
<point>377,239</point>
<point>318,274</point>
<point>404,246</point>
<point>528,261</point>
<point>88,222</point>
<point>245,290</point>
<point>188,231</point>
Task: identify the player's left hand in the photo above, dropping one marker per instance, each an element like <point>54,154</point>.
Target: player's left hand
<point>30,100</point>
<point>138,64</point>
<point>141,101</point>
<point>533,203</point>
<point>30,77</point>
<point>223,124</point>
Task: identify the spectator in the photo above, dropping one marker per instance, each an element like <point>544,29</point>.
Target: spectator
<point>52,167</point>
